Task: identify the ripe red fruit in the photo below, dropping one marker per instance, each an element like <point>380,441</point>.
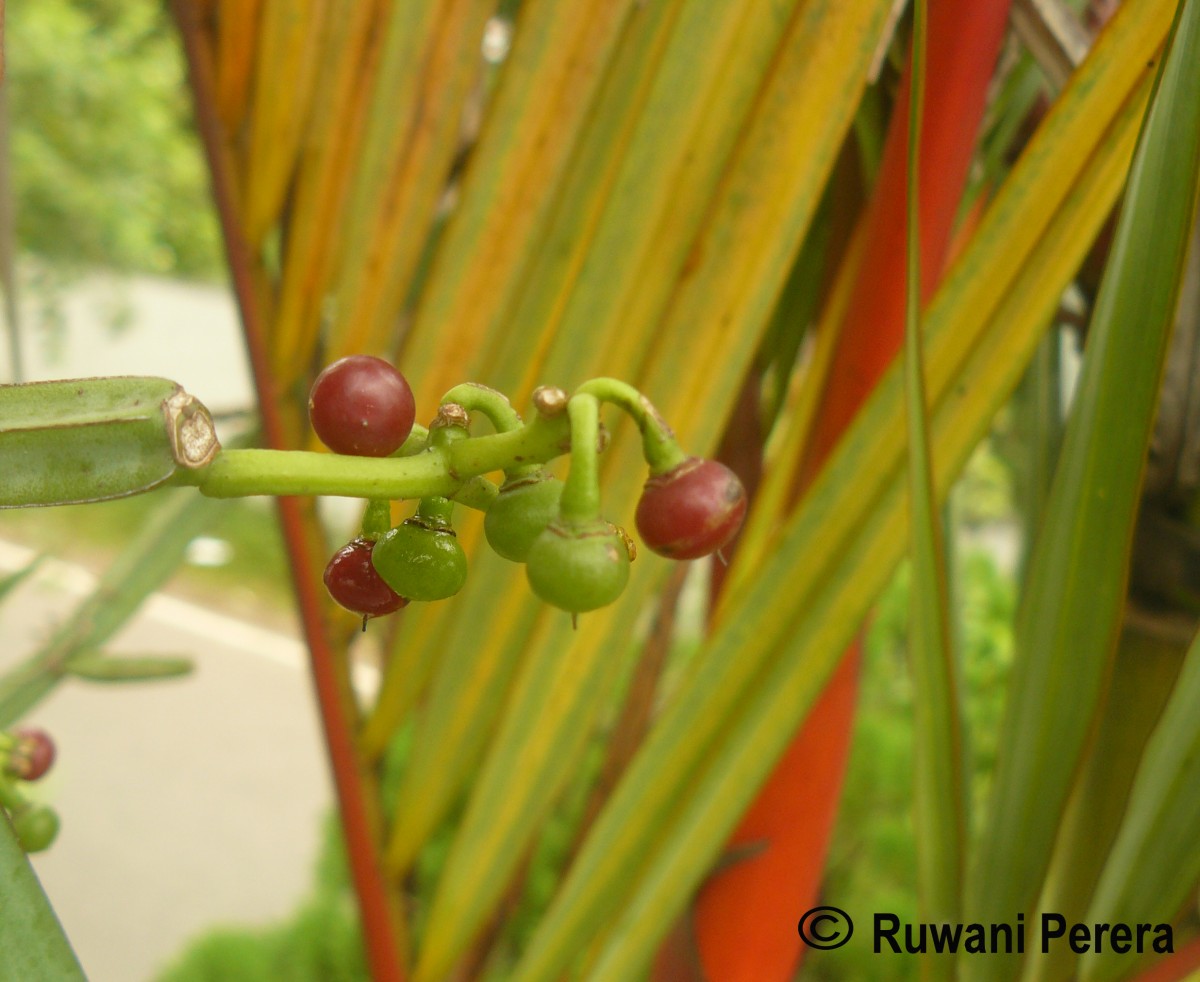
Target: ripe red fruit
<point>691,511</point>
<point>362,406</point>
<point>32,754</point>
<point>353,583</point>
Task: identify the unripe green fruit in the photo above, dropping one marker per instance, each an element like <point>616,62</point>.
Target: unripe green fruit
<point>421,560</point>
<point>578,567</point>
<point>36,827</point>
<point>520,513</point>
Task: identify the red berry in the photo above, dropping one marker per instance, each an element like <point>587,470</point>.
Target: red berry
<point>361,406</point>
<point>32,754</point>
<point>352,581</point>
<point>691,511</point>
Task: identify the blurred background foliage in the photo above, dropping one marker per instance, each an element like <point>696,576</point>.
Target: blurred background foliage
<point>103,153</point>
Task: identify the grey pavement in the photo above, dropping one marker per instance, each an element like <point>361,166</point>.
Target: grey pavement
<point>183,331</point>
<point>184,803</point>
<point>188,803</point>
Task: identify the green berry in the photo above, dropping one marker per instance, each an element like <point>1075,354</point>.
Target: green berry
<point>420,559</point>
<point>520,513</point>
<point>578,567</point>
<point>36,827</point>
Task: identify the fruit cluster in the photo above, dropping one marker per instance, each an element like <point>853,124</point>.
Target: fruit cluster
<point>26,755</point>
<point>574,558</point>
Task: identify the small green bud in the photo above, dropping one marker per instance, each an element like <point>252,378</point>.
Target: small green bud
<point>36,827</point>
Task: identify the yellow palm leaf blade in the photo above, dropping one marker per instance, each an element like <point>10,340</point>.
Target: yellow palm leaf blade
<point>562,244</point>
<point>542,98</point>
<point>783,453</point>
<point>740,262</point>
<point>330,146</point>
<point>1115,66</point>
<point>431,642</point>
<point>290,48</point>
<point>444,746</point>
<point>417,655</point>
<point>769,659</point>
<point>539,744</point>
<point>539,741</point>
<point>527,324</point>
<point>472,687</point>
<point>236,37</point>
<point>436,751</point>
<point>638,197</point>
<point>409,30</point>
<point>661,199</point>
<point>450,66</point>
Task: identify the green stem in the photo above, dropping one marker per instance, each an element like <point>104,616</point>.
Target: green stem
<point>436,512</point>
<point>416,442</point>
<point>241,473</point>
<point>659,447</point>
<point>476,398</point>
<point>377,519</point>
<point>448,470</point>
<point>538,441</point>
<point>477,493</point>
<point>580,502</point>
<point>11,797</point>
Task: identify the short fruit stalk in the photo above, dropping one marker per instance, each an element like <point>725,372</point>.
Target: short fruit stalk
<point>421,557</point>
<point>580,562</point>
<point>690,507</point>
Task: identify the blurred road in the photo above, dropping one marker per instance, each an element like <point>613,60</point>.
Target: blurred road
<point>138,326</point>
<point>184,803</point>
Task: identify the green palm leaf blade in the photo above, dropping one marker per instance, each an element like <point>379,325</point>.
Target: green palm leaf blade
<point>1155,862</point>
<point>769,658</point>
<point>32,942</point>
<point>940,800</point>
<point>1071,613</point>
<point>15,579</point>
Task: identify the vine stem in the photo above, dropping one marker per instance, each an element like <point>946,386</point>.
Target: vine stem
<point>382,920</point>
